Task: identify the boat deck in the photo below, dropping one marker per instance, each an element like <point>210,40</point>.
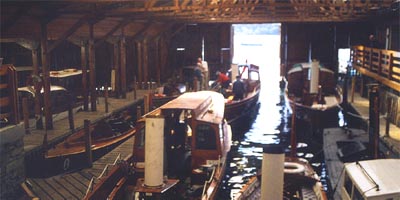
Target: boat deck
<point>74,185</point>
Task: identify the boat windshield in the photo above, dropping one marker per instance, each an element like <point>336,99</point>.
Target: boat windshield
<point>205,137</point>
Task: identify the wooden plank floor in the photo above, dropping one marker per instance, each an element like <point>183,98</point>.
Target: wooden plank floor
<point>333,164</point>
<point>392,139</point>
<point>74,185</point>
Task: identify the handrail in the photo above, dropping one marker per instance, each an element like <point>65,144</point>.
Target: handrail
<point>381,64</point>
<point>90,185</point>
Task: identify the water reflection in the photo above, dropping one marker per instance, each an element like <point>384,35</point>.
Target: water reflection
<point>271,125</point>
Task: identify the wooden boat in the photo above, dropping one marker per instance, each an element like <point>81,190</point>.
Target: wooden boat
<point>371,179</point>
<point>326,97</point>
<point>300,182</point>
<point>197,140</point>
<point>160,97</point>
<point>251,78</point>
<point>70,154</point>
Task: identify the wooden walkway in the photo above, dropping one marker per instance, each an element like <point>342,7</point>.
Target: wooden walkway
<point>392,139</point>
<point>74,185</point>
<point>333,164</point>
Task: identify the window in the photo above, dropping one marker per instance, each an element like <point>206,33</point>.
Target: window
<point>205,137</point>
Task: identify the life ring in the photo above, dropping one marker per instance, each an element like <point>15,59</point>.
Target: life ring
<point>293,168</point>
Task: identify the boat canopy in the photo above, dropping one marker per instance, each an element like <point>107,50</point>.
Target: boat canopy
<point>207,106</point>
<point>375,179</point>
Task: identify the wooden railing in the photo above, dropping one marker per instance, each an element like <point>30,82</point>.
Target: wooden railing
<point>8,95</point>
<point>380,64</point>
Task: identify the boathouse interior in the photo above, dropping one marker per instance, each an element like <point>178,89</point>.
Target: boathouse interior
<point>114,48</point>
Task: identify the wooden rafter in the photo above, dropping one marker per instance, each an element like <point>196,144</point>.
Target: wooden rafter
<point>68,33</point>
<point>121,24</point>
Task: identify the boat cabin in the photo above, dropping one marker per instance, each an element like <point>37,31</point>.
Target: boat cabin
<point>372,179</point>
<point>195,134</point>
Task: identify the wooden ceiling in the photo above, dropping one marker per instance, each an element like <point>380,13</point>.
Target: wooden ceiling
<point>66,18</point>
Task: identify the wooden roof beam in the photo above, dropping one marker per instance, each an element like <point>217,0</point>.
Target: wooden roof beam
<point>14,18</point>
<point>68,33</point>
<point>121,24</point>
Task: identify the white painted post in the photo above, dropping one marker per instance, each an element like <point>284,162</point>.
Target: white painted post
<point>272,172</point>
<point>314,80</point>
<point>154,152</point>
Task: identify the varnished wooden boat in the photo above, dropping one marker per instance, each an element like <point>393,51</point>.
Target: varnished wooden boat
<point>70,154</point>
<point>159,98</point>
<point>251,78</point>
<point>197,140</point>
<point>300,182</point>
<point>298,88</point>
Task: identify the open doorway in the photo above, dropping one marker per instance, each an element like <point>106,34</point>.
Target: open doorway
<point>258,44</point>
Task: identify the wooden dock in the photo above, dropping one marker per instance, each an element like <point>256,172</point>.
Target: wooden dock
<point>74,185</point>
<point>334,165</point>
<point>390,139</point>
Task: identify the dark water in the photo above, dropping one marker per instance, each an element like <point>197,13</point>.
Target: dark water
<point>272,125</point>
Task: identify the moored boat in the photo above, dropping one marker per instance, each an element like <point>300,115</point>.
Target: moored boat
<point>300,182</point>
<point>194,141</point>
<point>371,179</point>
<point>70,154</point>
<point>249,75</point>
<point>313,87</point>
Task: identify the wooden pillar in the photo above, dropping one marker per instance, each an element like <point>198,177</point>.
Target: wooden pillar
<point>84,76</point>
<point>146,100</point>
<point>122,77</point>
<point>106,98</point>
<point>88,143</point>
<point>117,70</point>
<point>37,83</point>
<point>25,114</point>
<point>353,88</point>
<point>374,120</point>
<point>158,61</point>
<point>140,63</point>
<point>293,139</point>
<point>46,78</point>
<point>145,60</point>
<point>389,112</point>
<point>93,95</point>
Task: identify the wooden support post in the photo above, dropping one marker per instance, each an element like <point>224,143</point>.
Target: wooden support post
<point>146,103</point>
<point>140,63</point>
<point>293,139</point>
<point>117,73</point>
<point>88,143</point>
<point>26,115</point>
<point>390,71</point>
<point>134,88</point>
<point>37,82</point>
<point>84,77</point>
<point>145,61</point>
<point>388,114</point>
<point>138,112</point>
<point>106,98</point>
<point>362,86</point>
<point>353,88</point>
<point>374,120</point>
<point>158,60</point>
<point>123,66</point>
<point>46,78</point>
<point>93,95</point>
<point>71,117</point>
